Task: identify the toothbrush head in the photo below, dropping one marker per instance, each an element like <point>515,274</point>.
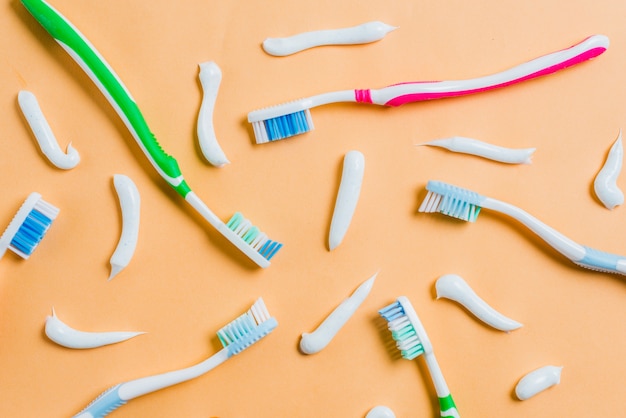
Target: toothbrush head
<point>252,236</point>
<point>281,121</point>
<point>452,201</point>
<point>406,329</point>
<point>247,329</point>
<point>28,226</point>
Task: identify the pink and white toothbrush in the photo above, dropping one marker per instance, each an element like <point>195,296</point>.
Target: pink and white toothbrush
<point>293,118</point>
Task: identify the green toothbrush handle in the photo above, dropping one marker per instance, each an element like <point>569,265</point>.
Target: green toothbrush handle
<point>448,407</point>
<point>84,53</point>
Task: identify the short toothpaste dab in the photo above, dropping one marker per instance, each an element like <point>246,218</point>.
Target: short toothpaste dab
<point>238,230</point>
<point>483,149</point>
<point>605,183</point>
<point>465,204</point>
<point>412,341</point>
<point>537,381</point>
<point>380,412</point>
<point>317,340</point>
<point>235,337</point>
<point>28,227</point>
<point>66,336</point>
<point>130,204</point>
<point>453,287</point>
<point>360,34</point>
<point>43,133</point>
<point>347,197</point>
<point>210,79</point>
<point>294,118</point>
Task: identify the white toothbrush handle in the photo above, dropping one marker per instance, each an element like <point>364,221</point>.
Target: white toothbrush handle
<point>579,254</point>
<point>399,94</point>
<point>118,395</point>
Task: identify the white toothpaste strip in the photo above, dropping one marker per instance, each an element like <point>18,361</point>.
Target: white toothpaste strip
<point>319,339</point>
<point>130,203</point>
<point>347,197</point>
<point>453,287</point>
<point>43,133</point>
<point>537,381</point>
<point>210,78</point>
<point>360,34</point>
<point>483,149</point>
<point>605,183</point>
<point>64,335</point>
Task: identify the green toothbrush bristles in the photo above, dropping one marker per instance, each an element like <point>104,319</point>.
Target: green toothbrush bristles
<point>402,331</point>
<point>253,236</point>
<point>247,329</point>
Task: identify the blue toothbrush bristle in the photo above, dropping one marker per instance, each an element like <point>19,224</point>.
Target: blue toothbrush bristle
<point>283,126</point>
<point>402,331</point>
<point>28,227</point>
<point>451,201</point>
<point>253,236</point>
<point>247,329</point>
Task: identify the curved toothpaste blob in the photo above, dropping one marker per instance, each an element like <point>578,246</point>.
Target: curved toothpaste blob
<point>453,287</point>
<point>380,412</point>
<point>605,183</point>
<point>66,336</point>
<point>537,381</point>
<point>360,34</point>
<point>347,197</point>
<point>210,78</point>
<point>130,203</point>
<point>317,340</point>
<point>43,133</point>
<point>483,149</point>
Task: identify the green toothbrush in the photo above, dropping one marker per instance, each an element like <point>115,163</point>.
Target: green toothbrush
<point>238,230</point>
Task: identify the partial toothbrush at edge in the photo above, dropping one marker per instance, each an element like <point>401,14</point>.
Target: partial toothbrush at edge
<point>412,341</point>
<point>293,118</point>
<point>238,335</point>
<point>238,230</point>
<point>465,204</point>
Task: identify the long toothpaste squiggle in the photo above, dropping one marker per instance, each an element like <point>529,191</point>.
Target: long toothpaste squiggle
<point>66,336</point>
<point>605,183</point>
<point>44,135</point>
<point>210,79</point>
<point>453,287</point>
<point>361,34</point>
<point>130,203</point>
<point>483,149</point>
<point>316,341</point>
<point>537,381</point>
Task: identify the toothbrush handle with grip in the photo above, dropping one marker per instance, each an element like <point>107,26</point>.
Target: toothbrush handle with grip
<point>400,94</point>
<point>447,406</point>
<point>101,73</point>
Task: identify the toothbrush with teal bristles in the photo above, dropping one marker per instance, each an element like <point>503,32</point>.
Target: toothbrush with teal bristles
<point>412,341</point>
<point>238,230</point>
<point>238,335</point>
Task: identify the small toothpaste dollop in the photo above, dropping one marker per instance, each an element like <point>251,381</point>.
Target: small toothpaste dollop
<point>453,287</point>
<point>316,341</point>
<point>605,183</point>
<point>537,381</point>
<point>360,34</point>
<point>483,149</point>
<point>66,336</point>
<point>380,412</point>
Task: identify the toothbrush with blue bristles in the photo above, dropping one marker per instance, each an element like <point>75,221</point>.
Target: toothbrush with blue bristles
<point>238,335</point>
<point>465,204</point>
<point>238,230</point>
<point>412,341</point>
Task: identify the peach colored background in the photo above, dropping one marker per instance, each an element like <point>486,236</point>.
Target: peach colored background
<point>185,281</point>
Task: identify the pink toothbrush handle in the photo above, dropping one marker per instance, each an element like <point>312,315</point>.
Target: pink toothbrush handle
<point>400,94</point>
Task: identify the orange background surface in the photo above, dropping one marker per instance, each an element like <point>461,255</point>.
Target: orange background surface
<point>185,281</point>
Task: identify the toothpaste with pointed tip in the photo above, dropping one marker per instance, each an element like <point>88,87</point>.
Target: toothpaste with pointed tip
<point>316,341</point>
<point>453,287</point>
<point>483,149</point>
<point>605,183</point>
<point>130,203</point>
<point>360,34</point>
<point>66,336</point>
<point>43,133</point>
